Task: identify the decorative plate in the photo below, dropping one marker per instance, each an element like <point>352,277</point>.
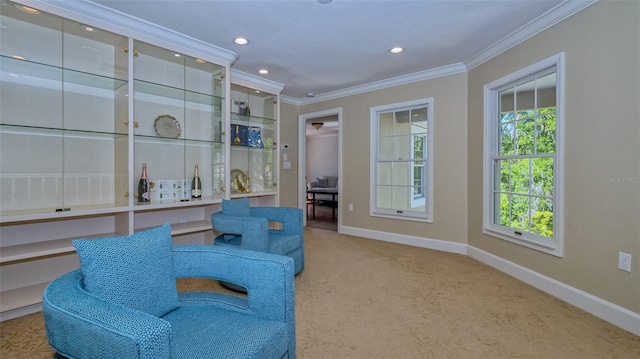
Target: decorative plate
<point>167,126</point>
<point>239,181</point>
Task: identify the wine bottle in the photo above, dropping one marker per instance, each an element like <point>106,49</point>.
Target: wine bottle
<point>196,185</point>
<point>143,185</point>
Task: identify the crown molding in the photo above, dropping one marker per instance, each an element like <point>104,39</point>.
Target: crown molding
<point>255,82</point>
<point>112,20</point>
<point>555,15</point>
<point>379,85</point>
<point>127,25</point>
<point>289,100</point>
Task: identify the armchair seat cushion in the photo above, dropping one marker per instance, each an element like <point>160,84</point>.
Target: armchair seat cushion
<point>227,333</point>
<point>282,243</point>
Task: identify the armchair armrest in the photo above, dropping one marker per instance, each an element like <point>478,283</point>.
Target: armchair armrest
<point>267,277</point>
<point>112,329</point>
<point>254,230</point>
<point>291,218</point>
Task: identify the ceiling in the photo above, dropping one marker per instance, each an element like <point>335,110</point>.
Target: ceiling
<point>323,48</point>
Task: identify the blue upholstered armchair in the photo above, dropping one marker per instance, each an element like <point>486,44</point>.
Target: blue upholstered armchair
<point>123,302</point>
<point>248,228</point>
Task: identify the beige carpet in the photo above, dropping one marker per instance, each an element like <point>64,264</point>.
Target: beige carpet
<point>360,298</point>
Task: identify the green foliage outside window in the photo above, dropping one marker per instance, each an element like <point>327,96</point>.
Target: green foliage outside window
<point>525,163</point>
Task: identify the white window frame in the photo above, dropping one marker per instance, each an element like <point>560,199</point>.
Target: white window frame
<point>554,245</point>
<point>427,215</point>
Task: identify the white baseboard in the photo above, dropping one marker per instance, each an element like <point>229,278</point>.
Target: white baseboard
<point>19,312</point>
<point>599,307</point>
<point>445,246</point>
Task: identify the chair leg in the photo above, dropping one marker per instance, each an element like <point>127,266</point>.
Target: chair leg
<point>309,204</point>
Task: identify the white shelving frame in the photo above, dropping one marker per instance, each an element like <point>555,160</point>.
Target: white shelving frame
<point>35,247</point>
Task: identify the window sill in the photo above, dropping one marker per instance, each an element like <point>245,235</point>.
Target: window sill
<point>403,217</point>
<point>523,241</point>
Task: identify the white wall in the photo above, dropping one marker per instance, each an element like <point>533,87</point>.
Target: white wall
<point>322,156</point>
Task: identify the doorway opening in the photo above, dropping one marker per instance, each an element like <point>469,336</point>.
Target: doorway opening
<point>320,166</point>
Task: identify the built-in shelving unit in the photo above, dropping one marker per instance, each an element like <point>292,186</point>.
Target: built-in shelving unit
<point>86,100</point>
<point>253,139</point>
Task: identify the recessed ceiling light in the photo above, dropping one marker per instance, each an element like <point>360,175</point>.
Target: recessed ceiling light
<point>18,57</point>
<point>88,28</point>
<point>241,40</point>
<point>263,72</point>
<point>201,61</point>
<point>27,9</point>
<point>396,50</point>
<point>176,54</point>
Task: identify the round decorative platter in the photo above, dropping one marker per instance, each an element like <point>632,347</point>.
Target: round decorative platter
<point>167,126</point>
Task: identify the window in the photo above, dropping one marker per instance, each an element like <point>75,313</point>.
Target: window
<point>522,156</point>
<point>401,152</point>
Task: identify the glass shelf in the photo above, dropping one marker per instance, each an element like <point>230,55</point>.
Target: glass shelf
<point>251,120</point>
<point>10,128</point>
<point>25,71</point>
<point>266,149</point>
<point>154,139</point>
<point>176,93</point>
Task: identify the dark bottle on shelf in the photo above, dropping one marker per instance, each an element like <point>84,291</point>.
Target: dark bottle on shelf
<point>196,185</point>
<point>143,186</point>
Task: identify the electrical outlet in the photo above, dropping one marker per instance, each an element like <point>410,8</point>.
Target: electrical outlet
<point>350,207</point>
<point>624,261</point>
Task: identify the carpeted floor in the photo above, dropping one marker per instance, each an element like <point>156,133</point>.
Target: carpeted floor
<point>361,299</point>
